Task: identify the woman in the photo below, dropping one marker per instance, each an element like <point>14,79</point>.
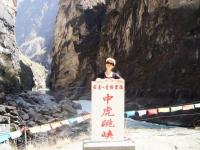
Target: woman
<point>109,74</point>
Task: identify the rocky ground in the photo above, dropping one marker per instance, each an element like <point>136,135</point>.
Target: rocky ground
<point>35,108</point>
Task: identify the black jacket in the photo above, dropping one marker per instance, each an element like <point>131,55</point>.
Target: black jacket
<point>103,76</point>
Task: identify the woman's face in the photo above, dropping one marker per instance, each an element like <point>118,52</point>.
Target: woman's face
<point>109,65</point>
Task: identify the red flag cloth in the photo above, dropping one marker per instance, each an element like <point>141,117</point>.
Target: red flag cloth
<point>188,107</point>
<point>152,112</point>
<point>24,128</point>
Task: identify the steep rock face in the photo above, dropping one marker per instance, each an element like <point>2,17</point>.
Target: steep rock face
<point>16,71</point>
<point>9,64</point>
<point>156,44</point>
<point>76,40</point>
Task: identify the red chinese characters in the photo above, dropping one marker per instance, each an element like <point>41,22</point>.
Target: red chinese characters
<point>107,98</point>
<point>107,123</point>
<point>108,87</point>
<point>107,134</point>
<point>107,111</point>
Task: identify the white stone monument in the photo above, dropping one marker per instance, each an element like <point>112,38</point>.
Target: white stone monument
<point>108,116</point>
<point>108,110</point>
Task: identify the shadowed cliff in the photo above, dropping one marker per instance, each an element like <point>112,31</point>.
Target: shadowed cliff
<point>155,43</point>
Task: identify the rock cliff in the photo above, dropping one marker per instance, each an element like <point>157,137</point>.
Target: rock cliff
<point>9,64</point>
<point>17,72</point>
<point>156,44</point>
<point>18,76</point>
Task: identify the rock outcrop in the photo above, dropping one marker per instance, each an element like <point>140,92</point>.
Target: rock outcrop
<point>76,41</point>
<point>17,72</point>
<point>9,116</point>
<point>155,43</point>
<point>9,64</point>
<point>35,108</point>
<point>19,75</point>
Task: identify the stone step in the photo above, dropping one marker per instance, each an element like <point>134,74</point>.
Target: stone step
<point>109,145</point>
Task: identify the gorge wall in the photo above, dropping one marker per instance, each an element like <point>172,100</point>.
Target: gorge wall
<point>156,44</point>
<point>17,72</point>
<point>9,62</point>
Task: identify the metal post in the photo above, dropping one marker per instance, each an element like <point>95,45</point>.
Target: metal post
<point>25,137</point>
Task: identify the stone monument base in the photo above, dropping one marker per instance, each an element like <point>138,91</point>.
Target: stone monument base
<point>109,145</point>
